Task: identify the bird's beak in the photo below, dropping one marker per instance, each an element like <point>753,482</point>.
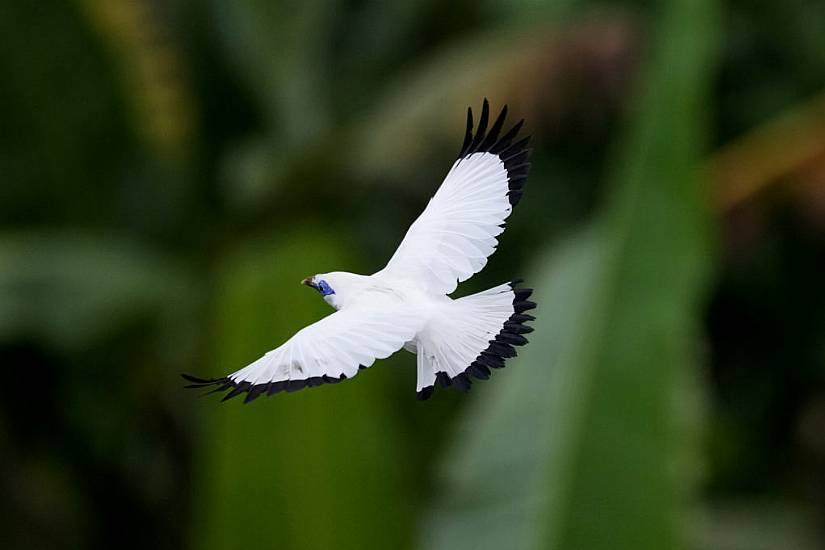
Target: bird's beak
<point>309,281</point>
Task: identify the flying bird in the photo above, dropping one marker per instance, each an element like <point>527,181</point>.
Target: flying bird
<point>407,304</point>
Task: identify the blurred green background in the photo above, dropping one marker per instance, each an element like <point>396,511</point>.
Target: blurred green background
<point>170,169</point>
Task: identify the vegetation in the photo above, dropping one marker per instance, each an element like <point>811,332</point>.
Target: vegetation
<point>170,170</point>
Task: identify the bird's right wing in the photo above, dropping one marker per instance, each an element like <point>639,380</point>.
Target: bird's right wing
<point>328,351</point>
<point>451,240</point>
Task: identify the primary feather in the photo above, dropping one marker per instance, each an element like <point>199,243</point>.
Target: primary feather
<point>406,303</point>
<point>452,239</point>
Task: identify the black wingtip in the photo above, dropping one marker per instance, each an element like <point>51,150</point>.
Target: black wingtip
<point>468,133</point>
<point>255,391</point>
<point>515,156</point>
<point>196,379</point>
<point>482,127</point>
<point>236,391</point>
<point>495,130</point>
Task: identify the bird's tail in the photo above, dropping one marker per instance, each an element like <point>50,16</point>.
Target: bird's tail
<point>472,335</point>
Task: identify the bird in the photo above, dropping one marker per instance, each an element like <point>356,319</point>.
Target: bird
<point>407,304</point>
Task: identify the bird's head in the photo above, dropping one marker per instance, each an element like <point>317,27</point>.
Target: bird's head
<point>334,287</point>
<point>320,284</point>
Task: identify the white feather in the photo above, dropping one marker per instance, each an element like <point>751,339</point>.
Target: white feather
<point>451,240</point>
<point>406,303</point>
<point>337,344</point>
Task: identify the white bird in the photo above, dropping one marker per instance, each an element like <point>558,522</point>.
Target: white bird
<point>406,304</point>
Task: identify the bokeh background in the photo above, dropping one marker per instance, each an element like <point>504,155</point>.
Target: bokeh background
<point>170,169</point>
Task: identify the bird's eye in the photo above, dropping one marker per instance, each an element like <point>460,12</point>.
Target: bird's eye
<point>324,288</point>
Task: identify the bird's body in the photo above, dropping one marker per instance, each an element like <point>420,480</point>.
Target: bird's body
<point>407,304</point>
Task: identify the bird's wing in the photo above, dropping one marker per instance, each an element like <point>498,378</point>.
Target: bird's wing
<point>451,240</point>
<point>328,351</point>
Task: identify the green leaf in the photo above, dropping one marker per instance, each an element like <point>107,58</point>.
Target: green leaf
<point>278,51</point>
<point>318,468</point>
<point>71,290</point>
<point>583,443</point>
<point>522,426</point>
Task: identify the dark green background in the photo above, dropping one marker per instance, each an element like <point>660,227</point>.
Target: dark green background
<point>170,169</point>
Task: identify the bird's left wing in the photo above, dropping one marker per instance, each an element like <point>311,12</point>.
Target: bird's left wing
<point>328,351</point>
<point>452,238</point>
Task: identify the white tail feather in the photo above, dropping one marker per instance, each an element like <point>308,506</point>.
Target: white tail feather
<point>459,333</point>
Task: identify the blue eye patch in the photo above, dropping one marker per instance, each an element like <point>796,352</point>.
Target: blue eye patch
<point>324,288</point>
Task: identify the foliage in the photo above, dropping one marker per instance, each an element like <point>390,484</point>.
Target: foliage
<point>170,170</point>
<point>593,414</point>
